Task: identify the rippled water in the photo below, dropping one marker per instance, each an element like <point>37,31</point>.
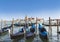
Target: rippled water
<point>54,38</point>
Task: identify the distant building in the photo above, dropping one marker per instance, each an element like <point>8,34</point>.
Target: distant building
<point>31,19</point>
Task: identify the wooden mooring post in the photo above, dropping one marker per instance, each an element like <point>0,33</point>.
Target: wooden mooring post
<point>36,27</point>
<point>50,29</point>
<point>12,26</point>
<point>57,28</point>
<point>50,26</point>
<point>57,25</point>
<point>5,23</point>
<point>25,27</point>
<point>1,23</point>
<point>43,20</point>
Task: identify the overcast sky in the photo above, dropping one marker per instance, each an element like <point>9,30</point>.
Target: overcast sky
<point>32,8</point>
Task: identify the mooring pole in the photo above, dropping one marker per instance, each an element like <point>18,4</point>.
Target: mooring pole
<point>12,26</point>
<point>36,26</point>
<point>5,23</point>
<point>50,29</point>
<point>20,22</point>
<point>30,20</point>
<point>1,23</point>
<point>25,28</point>
<point>57,28</point>
<point>43,21</point>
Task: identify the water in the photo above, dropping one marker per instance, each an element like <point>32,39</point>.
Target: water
<point>54,38</point>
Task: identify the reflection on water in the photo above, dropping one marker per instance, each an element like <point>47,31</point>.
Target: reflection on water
<point>37,39</point>
<point>53,38</point>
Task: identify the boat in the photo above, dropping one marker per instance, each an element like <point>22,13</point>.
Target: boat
<point>4,30</point>
<point>18,35</point>
<point>30,34</point>
<point>32,29</point>
<point>17,24</point>
<point>42,32</point>
<point>22,24</point>
<point>58,32</point>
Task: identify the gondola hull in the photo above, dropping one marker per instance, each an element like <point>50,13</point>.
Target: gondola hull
<point>43,33</point>
<point>29,37</point>
<point>43,37</point>
<point>21,35</point>
<point>3,32</point>
<point>17,35</point>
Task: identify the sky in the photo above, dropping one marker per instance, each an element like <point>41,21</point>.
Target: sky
<point>32,8</point>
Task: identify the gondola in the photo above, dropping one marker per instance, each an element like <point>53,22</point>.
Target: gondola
<point>32,29</point>
<point>42,32</point>
<point>4,30</point>
<point>30,34</point>
<point>58,32</point>
<point>16,24</point>
<point>18,35</point>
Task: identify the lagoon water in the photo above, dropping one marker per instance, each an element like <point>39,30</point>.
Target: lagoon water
<point>53,38</point>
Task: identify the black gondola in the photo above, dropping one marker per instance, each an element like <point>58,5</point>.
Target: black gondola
<point>5,29</point>
<point>42,32</point>
<point>18,35</point>
<point>30,35</point>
